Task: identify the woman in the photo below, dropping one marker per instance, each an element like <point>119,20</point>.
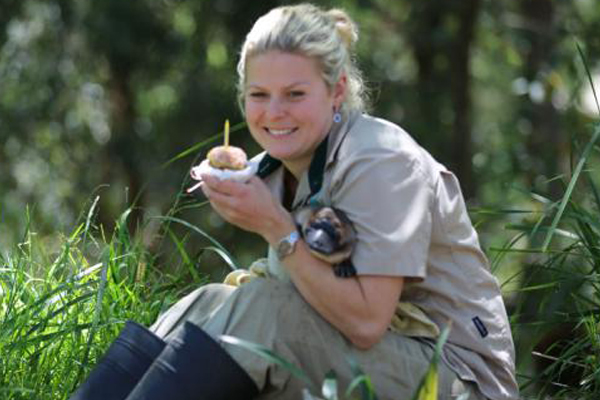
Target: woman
<point>303,101</point>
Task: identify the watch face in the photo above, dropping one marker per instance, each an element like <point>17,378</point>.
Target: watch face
<point>284,249</point>
<point>286,246</point>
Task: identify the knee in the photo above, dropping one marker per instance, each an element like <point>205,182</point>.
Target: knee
<point>193,307</point>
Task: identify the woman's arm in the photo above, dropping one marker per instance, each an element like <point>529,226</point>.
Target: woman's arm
<point>361,308</point>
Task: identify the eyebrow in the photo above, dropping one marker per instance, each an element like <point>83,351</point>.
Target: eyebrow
<point>299,83</point>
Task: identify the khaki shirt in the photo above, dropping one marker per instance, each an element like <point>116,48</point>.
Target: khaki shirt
<point>411,221</point>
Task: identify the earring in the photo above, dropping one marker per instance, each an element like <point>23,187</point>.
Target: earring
<point>337,117</point>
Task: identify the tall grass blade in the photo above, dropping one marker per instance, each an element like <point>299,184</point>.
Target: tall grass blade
<point>227,256</point>
<point>361,380</point>
<point>268,355</point>
<point>428,388</point>
<point>571,187</point>
<point>89,218</point>
<point>588,148</point>
<point>593,189</point>
<point>589,75</point>
<point>98,309</point>
<point>202,144</point>
<point>180,247</point>
<point>223,255</point>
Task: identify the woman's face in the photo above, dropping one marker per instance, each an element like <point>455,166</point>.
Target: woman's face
<point>289,108</point>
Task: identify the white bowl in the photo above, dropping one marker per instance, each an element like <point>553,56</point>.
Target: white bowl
<point>241,175</point>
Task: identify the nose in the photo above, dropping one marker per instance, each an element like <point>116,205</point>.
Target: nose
<point>275,108</point>
<point>319,240</point>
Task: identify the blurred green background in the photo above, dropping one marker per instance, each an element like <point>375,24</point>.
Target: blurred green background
<point>96,97</point>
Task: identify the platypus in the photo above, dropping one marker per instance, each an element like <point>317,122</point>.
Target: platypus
<point>330,236</point>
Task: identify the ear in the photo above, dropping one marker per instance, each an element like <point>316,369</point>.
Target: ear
<point>339,91</point>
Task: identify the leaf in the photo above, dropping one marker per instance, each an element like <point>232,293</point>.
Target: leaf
<point>586,151</point>
<point>361,380</point>
<point>202,144</point>
<point>428,388</point>
<point>589,75</point>
<point>227,256</point>
<point>268,355</point>
<point>224,255</point>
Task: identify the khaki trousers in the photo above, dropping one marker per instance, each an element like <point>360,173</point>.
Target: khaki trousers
<point>274,314</point>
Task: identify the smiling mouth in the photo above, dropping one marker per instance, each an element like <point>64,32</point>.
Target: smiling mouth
<point>280,132</point>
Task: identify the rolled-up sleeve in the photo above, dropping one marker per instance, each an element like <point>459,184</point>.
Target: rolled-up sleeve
<point>388,197</point>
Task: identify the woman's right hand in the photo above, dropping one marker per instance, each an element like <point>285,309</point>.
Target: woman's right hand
<point>249,206</point>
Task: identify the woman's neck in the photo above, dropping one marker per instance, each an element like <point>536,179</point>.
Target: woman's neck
<point>297,168</point>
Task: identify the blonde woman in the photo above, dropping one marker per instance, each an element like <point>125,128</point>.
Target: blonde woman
<point>419,267</point>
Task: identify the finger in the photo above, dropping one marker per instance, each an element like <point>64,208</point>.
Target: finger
<point>222,200</point>
<point>221,211</point>
<point>205,189</point>
<point>216,201</point>
<point>227,212</point>
<point>257,184</point>
<point>210,185</point>
<point>209,179</point>
<point>226,186</point>
<point>254,180</point>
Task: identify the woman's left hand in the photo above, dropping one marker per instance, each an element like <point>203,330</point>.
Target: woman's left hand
<point>249,205</point>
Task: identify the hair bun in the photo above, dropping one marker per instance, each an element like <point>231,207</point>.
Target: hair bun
<point>344,26</point>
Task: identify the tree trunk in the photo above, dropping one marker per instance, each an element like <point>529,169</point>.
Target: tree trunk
<point>119,155</point>
<point>460,93</point>
<point>544,142</point>
<point>445,88</point>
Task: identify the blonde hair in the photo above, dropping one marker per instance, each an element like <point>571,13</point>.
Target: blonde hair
<point>326,36</point>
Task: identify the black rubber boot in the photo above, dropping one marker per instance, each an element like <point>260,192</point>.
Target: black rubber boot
<point>194,366</point>
<point>122,366</point>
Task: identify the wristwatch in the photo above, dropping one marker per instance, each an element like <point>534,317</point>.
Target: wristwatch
<point>287,245</point>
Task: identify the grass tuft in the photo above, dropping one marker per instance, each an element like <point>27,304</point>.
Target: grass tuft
<point>61,306</point>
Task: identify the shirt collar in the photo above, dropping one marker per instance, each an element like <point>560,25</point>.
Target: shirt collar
<point>324,154</point>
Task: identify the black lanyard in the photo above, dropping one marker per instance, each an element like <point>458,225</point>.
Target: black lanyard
<point>316,169</point>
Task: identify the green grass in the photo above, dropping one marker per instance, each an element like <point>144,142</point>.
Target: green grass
<point>559,298</point>
<point>557,314</point>
<point>63,302</point>
<point>61,307</point>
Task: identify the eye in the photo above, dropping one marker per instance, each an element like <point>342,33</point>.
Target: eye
<point>257,95</point>
<point>296,94</point>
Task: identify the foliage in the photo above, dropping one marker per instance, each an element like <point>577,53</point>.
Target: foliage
<point>62,308</point>
<point>562,275</point>
<point>563,280</point>
<point>60,311</point>
<point>120,87</point>
<point>428,388</point>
